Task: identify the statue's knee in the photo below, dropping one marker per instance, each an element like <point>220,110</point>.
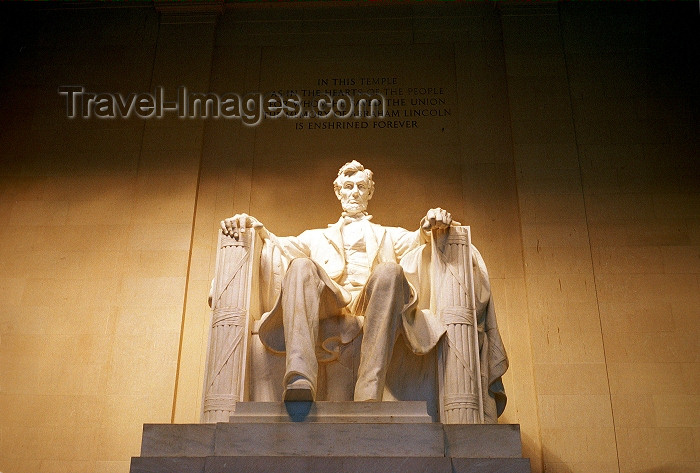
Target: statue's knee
<point>388,271</point>
<point>301,267</point>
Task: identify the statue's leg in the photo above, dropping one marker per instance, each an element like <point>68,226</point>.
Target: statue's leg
<point>302,288</point>
<point>387,291</point>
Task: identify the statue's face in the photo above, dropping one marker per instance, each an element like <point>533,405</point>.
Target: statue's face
<point>355,193</point>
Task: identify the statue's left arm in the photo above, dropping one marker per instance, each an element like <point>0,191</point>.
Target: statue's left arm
<point>405,241</point>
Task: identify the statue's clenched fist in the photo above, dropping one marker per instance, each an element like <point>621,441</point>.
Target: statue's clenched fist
<point>437,218</point>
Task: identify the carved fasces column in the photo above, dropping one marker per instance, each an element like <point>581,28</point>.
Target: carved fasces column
<point>232,302</point>
<point>453,301</point>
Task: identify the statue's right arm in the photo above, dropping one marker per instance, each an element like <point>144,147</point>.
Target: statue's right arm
<point>234,226</point>
<point>291,247</point>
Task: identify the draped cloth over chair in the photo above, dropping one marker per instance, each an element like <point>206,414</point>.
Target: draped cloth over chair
<point>453,297</point>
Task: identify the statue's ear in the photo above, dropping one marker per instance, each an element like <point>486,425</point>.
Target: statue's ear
<point>337,192</point>
<point>371,193</point>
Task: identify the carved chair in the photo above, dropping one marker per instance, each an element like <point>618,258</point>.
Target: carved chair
<point>449,378</point>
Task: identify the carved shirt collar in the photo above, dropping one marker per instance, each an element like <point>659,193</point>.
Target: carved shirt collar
<point>345,218</point>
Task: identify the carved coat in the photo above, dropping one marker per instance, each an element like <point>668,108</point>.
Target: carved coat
<point>325,248</point>
<point>421,328</point>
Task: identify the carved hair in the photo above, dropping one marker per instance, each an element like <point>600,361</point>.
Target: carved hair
<point>348,169</point>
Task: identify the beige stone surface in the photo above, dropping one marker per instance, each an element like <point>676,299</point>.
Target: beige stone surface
<point>571,151</point>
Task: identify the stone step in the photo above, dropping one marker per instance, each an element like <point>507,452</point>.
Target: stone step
<point>294,464</point>
<point>399,412</point>
<point>490,465</point>
<point>322,439</point>
<point>483,441</point>
<point>326,439</point>
<point>178,440</point>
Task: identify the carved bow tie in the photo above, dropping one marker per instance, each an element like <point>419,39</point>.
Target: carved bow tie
<point>355,218</point>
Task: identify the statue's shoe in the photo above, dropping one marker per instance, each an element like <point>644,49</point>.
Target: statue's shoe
<point>299,389</point>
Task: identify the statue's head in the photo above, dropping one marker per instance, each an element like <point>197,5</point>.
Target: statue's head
<point>354,187</point>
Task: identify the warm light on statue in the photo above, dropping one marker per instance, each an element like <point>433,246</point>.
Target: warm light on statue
<point>355,280</point>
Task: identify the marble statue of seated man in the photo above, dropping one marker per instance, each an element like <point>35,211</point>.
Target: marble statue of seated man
<point>341,281</point>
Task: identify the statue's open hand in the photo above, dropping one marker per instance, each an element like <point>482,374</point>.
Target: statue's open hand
<point>237,224</point>
<point>437,218</point>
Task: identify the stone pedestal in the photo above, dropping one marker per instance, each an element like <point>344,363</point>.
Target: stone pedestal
<point>324,436</point>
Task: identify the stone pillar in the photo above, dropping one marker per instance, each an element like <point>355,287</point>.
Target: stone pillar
<point>453,299</point>
<point>227,359</point>
<point>573,394</point>
<point>171,159</point>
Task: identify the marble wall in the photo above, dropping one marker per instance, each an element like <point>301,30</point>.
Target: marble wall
<point>570,147</point>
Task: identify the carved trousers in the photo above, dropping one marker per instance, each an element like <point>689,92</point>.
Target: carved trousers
<point>304,304</point>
